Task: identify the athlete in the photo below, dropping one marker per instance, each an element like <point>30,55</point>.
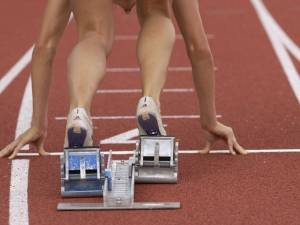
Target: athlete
<point>95,29</point>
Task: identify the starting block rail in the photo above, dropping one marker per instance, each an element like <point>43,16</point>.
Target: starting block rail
<point>102,206</point>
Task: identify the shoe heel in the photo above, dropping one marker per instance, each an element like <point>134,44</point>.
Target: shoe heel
<point>76,137</point>
<point>149,124</point>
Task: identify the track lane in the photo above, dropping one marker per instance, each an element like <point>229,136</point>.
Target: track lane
<point>268,181</point>
<point>209,190</point>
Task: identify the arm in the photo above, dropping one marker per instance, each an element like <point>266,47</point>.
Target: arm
<point>55,19</point>
<point>190,23</point>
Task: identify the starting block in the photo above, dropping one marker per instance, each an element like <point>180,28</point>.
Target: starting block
<point>154,161</point>
<point>82,172</point>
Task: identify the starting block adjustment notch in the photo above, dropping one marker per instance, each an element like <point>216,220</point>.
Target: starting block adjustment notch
<point>121,192</point>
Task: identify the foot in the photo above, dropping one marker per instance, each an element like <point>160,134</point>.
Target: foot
<point>79,129</point>
<point>148,118</point>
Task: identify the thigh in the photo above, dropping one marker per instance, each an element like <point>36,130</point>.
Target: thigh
<point>146,8</point>
<point>189,21</point>
<point>94,16</point>
<point>54,21</point>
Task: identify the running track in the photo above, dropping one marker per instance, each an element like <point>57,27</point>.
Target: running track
<point>258,65</point>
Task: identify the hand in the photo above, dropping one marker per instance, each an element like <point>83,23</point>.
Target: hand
<point>31,136</point>
<point>220,131</point>
<point>127,5</point>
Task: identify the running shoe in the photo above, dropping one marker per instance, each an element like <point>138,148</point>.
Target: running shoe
<point>148,118</point>
<point>79,129</point>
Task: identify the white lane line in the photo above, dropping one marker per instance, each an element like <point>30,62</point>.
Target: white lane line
<point>123,91</point>
<point>18,195</point>
<point>134,117</point>
<point>7,78</point>
<point>136,69</point>
<point>183,152</point>
<point>122,138</point>
<point>282,45</point>
<point>135,37</point>
<point>25,112</point>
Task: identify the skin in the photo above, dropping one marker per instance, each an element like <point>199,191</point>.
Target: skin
<point>154,51</point>
<point>190,23</point>
<point>154,16</point>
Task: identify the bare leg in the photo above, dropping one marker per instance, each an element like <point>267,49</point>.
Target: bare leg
<point>155,44</point>
<point>87,62</point>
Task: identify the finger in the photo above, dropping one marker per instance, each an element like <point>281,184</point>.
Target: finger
<point>239,149</point>
<point>43,152</point>
<point>16,150</point>
<point>8,149</point>
<point>40,147</point>
<point>230,145</point>
<point>206,149</point>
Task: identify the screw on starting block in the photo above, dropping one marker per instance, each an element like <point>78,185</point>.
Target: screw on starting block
<point>82,172</point>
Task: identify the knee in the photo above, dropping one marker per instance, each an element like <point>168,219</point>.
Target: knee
<point>104,40</point>
<point>199,52</point>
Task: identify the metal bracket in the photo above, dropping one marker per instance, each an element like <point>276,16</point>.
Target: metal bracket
<point>156,160</point>
<point>82,172</point>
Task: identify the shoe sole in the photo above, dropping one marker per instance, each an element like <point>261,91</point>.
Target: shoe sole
<point>76,137</point>
<point>149,124</point>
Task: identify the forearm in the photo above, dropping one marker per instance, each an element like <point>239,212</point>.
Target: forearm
<point>204,81</point>
<point>41,74</point>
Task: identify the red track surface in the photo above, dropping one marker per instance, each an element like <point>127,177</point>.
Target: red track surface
<point>253,96</point>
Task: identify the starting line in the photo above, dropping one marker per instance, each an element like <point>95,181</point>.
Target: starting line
<point>184,152</point>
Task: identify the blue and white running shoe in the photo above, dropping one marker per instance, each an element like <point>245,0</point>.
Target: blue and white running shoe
<point>79,129</point>
<point>148,118</point>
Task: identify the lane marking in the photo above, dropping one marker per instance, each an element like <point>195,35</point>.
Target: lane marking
<point>137,70</point>
<point>18,194</point>
<point>122,138</point>
<point>18,191</point>
<point>135,37</point>
<point>9,77</point>
<point>25,112</point>
<point>282,45</point>
<point>183,152</point>
<point>123,91</point>
<point>134,117</point>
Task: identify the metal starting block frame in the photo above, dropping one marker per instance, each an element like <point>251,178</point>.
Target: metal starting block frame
<point>82,172</point>
<point>154,161</point>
